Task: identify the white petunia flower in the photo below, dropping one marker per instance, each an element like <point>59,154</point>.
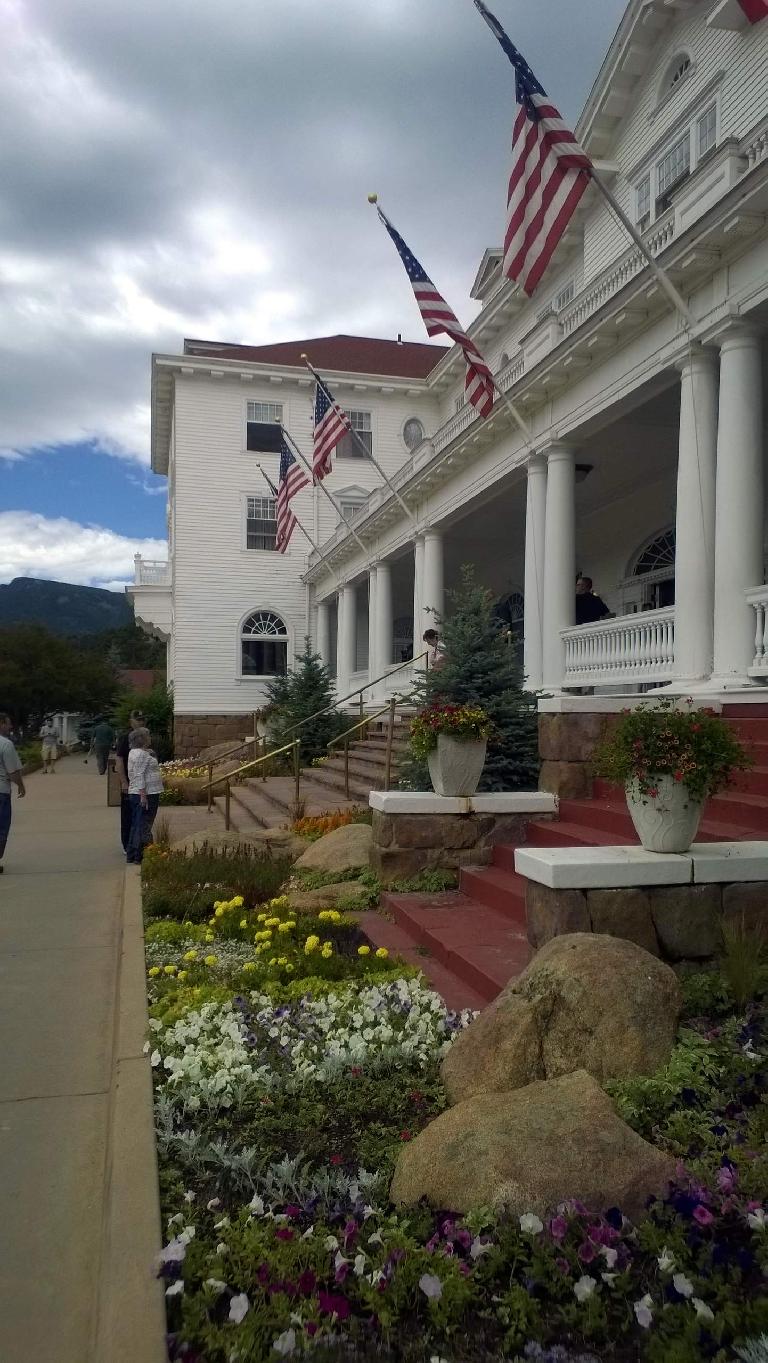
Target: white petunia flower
<point>339,1261</point>
<point>359,1265</point>
<point>215,1284</point>
<point>285,1343</point>
<point>222,1249</point>
<point>666,1260</point>
<point>431,1286</point>
<point>609,1278</point>
<point>643,1310</point>
<point>376,1238</point>
<point>155,1059</point>
<point>584,1288</point>
<point>531,1224</point>
<point>173,1253</point>
<point>309,1232</point>
<point>682,1285</point>
<point>256,1205</point>
<point>479,1247</point>
<point>610,1255</point>
<point>175,1289</point>
<point>189,1196</point>
<point>757,1220</point>
<point>213,1204</point>
<point>330,1242</point>
<point>239,1307</point>
<point>702,1310</point>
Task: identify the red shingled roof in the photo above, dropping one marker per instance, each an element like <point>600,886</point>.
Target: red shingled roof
<point>348,354</point>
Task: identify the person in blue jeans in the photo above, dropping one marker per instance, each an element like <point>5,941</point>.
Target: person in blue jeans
<point>10,774</point>
<point>145,786</point>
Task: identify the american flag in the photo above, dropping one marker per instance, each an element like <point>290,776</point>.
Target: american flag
<point>755,10</point>
<point>550,172</point>
<point>331,425</point>
<point>292,479</point>
<point>437,317</point>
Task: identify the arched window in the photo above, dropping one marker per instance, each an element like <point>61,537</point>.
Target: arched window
<point>264,645</point>
<point>413,433</point>
<point>654,564</point>
<point>677,70</point>
<point>658,553</point>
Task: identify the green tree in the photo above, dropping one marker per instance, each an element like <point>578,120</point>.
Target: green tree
<point>296,696</point>
<point>41,671</point>
<point>481,666</point>
<point>157,707</point>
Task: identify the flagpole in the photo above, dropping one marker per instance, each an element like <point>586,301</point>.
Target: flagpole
<point>273,489</point>
<point>672,293</point>
<point>318,482</point>
<point>366,452</point>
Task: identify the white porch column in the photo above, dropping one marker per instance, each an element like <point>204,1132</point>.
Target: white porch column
<point>324,632</point>
<point>418,582</point>
<point>432,594</point>
<point>738,504</point>
<point>695,518</point>
<point>346,639</point>
<point>533,619</point>
<point>373,668</point>
<point>559,561</point>
<point>383,646</point>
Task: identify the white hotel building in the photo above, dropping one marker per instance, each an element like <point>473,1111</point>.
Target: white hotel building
<point>646,464</point>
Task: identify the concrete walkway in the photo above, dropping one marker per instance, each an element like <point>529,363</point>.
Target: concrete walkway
<point>61,898</point>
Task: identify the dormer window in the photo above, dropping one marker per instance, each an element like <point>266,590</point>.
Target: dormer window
<point>674,163</point>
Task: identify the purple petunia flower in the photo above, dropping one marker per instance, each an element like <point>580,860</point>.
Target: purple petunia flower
<point>558,1228</point>
<point>703,1215</point>
<point>586,1251</point>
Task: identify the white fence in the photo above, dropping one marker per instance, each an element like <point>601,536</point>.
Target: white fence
<point>631,648</point>
<point>758,600</point>
<point>151,572</point>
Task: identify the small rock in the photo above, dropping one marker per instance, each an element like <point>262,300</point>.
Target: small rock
<point>585,1001</point>
<point>309,901</point>
<point>344,849</point>
<point>529,1150</point>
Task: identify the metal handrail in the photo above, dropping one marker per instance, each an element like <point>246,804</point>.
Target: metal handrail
<point>232,775</point>
<point>294,745</point>
<point>363,724</point>
<point>360,689</point>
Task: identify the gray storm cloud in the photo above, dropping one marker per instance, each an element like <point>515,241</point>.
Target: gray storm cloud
<point>171,168</point>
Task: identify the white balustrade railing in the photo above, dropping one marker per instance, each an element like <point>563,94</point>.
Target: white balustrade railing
<point>631,648</point>
<point>151,572</point>
<point>758,600</point>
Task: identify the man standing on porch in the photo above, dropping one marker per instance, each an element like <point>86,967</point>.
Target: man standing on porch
<point>589,607</point>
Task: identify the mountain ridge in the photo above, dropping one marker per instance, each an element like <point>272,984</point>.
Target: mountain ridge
<point>62,607</point>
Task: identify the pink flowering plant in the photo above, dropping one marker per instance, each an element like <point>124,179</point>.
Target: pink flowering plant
<point>695,747</point>
<point>456,721</point>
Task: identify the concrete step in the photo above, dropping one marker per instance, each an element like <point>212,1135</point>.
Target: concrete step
<point>276,796</point>
<point>482,947</point>
<point>498,888</point>
<point>452,989</point>
<point>333,781</point>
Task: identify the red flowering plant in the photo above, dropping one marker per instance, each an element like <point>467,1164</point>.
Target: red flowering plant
<point>457,721</point>
<point>695,747</point>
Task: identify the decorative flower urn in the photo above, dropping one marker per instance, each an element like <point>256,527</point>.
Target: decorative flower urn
<point>456,764</point>
<point>666,818</point>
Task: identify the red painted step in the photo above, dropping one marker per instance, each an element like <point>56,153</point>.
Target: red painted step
<point>482,947</point>
<point>454,991</point>
<point>498,888</point>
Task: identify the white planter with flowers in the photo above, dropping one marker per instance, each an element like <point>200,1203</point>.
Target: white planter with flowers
<point>456,764</point>
<point>666,819</point>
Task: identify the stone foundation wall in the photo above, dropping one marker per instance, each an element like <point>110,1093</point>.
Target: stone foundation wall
<point>677,923</point>
<point>192,733</point>
<point>404,844</point>
<point>566,745</point>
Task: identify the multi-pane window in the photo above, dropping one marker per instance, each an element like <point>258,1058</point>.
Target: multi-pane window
<point>350,445</point>
<point>674,165</point>
<point>706,131</point>
<point>643,201</point>
<point>264,645</point>
<point>263,422</point>
<point>565,296</point>
<point>260,523</point>
<point>413,433</point>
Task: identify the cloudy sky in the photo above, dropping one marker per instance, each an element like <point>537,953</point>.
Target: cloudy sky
<point>172,168</point>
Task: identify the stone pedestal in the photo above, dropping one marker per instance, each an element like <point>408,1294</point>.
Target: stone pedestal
<point>415,832</point>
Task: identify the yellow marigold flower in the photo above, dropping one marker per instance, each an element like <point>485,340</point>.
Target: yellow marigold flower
<point>311,944</point>
<point>326,951</point>
<point>261,918</point>
<point>169,969</point>
<point>249,965</point>
<point>219,912</point>
<point>382,953</point>
<point>282,960</point>
<point>153,971</point>
<point>217,903</point>
<point>210,960</point>
<point>243,922</point>
<point>182,975</point>
<point>289,968</point>
<point>209,937</point>
<point>285,927</point>
<point>278,903</point>
<point>238,901</point>
<point>273,961</point>
<point>271,922</point>
<point>363,951</point>
<point>190,955</point>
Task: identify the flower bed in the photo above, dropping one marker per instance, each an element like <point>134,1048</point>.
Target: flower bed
<point>283,1097</point>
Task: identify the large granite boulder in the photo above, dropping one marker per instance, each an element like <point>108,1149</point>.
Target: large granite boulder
<point>530,1150</point>
<point>585,1001</point>
<point>345,849</point>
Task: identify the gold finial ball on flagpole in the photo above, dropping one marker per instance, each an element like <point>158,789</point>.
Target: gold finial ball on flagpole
<point>373,198</point>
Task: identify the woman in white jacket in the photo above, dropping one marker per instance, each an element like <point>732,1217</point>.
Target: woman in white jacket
<point>145,786</point>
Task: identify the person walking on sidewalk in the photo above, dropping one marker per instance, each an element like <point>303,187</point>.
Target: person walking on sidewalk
<point>145,786</point>
<point>101,741</point>
<point>49,739</point>
<point>10,774</point>
<point>136,721</point>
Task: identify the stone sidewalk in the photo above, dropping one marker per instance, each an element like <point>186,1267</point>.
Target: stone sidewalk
<point>61,940</point>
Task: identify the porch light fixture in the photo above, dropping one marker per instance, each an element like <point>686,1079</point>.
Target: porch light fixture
<point>583,471</point>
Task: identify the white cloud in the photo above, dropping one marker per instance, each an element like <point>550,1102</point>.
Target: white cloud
<point>32,545</point>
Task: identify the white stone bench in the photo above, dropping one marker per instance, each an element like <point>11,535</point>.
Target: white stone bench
<point>591,868</point>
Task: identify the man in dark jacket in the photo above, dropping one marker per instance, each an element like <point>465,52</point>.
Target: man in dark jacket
<point>589,607</point>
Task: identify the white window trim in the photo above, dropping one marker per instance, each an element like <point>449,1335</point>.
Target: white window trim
<point>668,92</point>
<point>408,448</point>
<point>706,100</point>
<point>244,496</point>
<point>279,402</point>
<point>348,407</point>
<point>260,678</point>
